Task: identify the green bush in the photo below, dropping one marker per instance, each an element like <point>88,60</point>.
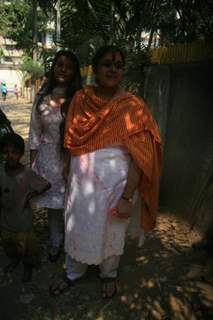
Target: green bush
<point>32,67</point>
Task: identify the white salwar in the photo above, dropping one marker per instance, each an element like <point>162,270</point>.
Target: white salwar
<point>95,184</point>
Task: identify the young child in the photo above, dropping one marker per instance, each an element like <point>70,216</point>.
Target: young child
<point>18,185</point>
<point>15,91</point>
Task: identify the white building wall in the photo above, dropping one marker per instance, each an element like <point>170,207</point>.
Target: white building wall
<point>11,77</point>
<point>10,61</point>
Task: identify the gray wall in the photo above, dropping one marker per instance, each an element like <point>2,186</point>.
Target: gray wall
<point>181,99</point>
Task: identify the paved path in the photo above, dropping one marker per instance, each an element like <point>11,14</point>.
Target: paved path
<point>18,112</point>
<point>165,279</point>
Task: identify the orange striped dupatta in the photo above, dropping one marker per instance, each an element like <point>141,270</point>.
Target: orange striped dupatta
<point>93,123</point>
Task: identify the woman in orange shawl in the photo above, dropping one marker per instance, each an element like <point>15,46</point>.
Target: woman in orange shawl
<point>115,148</point>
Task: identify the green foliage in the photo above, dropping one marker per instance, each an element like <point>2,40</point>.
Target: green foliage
<point>33,68</point>
<point>17,24</point>
<point>89,24</point>
<point>1,52</point>
<point>135,76</point>
<point>195,20</point>
<point>84,26</point>
<point>47,5</point>
<point>123,21</point>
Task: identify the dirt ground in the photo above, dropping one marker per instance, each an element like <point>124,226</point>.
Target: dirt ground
<point>165,279</point>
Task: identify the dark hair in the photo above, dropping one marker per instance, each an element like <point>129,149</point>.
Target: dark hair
<point>74,85</point>
<point>104,50</point>
<point>14,140</point>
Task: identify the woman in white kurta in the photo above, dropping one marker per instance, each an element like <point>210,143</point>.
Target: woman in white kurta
<point>114,146</point>
<point>96,182</point>
<point>46,138</point>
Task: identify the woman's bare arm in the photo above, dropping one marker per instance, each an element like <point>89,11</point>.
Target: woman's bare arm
<point>66,164</point>
<point>124,205</point>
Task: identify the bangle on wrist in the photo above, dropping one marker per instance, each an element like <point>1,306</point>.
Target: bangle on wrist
<point>126,198</point>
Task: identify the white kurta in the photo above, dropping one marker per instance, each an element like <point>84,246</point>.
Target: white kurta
<point>44,136</point>
<point>95,184</point>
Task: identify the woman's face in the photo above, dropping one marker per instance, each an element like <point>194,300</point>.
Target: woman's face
<point>109,72</point>
<point>63,70</point>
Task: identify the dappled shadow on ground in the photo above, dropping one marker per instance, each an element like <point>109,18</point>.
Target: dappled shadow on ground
<point>165,279</point>
<point>19,115</point>
<point>18,112</point>
<point>161,280</point>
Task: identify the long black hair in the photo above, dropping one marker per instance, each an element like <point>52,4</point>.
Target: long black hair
<point>75,83</point>
<point>72,86</point>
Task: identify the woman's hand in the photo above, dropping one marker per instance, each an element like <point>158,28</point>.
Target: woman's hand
<point>65,172</point>
<point>124,208</point>
<point>66,168</point>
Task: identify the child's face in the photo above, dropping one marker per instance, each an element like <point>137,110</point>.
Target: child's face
<point>11,156</point>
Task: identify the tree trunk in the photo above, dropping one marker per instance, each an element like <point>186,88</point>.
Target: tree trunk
<point>58,22</point>
<point>35,41</point>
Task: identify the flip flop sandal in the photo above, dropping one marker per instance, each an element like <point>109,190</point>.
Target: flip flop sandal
<point>63,285</point>
<point>109,285</point>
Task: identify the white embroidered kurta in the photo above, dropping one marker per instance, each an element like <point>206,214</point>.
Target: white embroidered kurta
<point>95,184</point>
<point>44,137</point>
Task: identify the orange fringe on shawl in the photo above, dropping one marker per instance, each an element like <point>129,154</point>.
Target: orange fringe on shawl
<point>93,123</point>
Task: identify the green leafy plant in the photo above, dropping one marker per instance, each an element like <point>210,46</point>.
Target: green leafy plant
<point>32,68</point>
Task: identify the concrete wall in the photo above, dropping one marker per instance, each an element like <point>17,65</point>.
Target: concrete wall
<point>181,99</point>
<point>11,76</point>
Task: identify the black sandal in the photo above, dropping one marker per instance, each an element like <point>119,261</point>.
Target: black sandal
<point>109,286</point>
<point>61,286</point>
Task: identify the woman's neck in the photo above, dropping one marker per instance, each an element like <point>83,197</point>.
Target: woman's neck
<point>107,93</point>
<point>57,97</point>
<point>59,91</point>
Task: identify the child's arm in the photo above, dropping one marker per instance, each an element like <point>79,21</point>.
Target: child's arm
<point>37,185</point>
<point>36,193</point>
